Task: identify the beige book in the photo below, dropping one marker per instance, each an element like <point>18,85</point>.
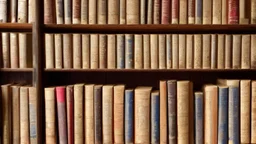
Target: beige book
<point>142,114</point>
<point>50,116</point>
<point>84,11</point>
<point>102,11</point>
<point>15,114</point>
<point>206,51</point>
<point>119,113</point>
<point>113,11</point>
<point>92,14</point>
<point>22,11</point>
<point>156,11</point>
<point>216,11</point>
<point>183,16</point>
<point>245,101</point>
<point>253,51</point>
<point>253,11</point>
<point>14,50</point>
<point>6,50</point>
<point>150,12</point>
<point>138,52</point>
<point>245,50</point>
<point>163,112</point>
<point>111,56</point>
<point>31,11</point>
<point>168,51</point>
<point>88,114</point>
<point>48,11</point>
<point>49,51</point>
<point>143,9</point>
<point>67,50</point>
<point>198,53</point>
<point>175,51</point>
<point>132,12</point>
<point>68,11</point>
<point>86,51</point>
<point>3,11</point>
<point>78,113</point>
<point>154,51</point>
<point>77,51</point>
<point>191,11</point>
<point>94,51</point>
<point>243,15</point>
<point>146,51</point>
<point>162,51</point>
<point>107,113</point>
<point>207,11</point>
<point>228,51</point>
<point>23,50</point>
<point>236,52</point>
<point>221,52</point>
<point>198,18</point>
<point>189,51</point>
<point>120,52</point>
<point>224,12</point>
<point>59,11</point>
<point>253,113</point>
<point>58,50</point>
<point>182,51</point>
<point>122,12</point>
<point>214,46</point>
<point>103,44</point>
<point>24,116</point>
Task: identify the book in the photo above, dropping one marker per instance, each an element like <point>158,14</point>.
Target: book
<point>103,50</point>
<point>228,51</point>
<point>156,11</point>
<point>77,51</point>
<point>253,51</point>
<point>85,11</point>
<point>70,113</point>
<point>168,51</point>
<point>150,12</point>
<point>243,12</point>
<point>175,11</point>
<point>175,51</point>
<point>245,51</point>
<point>111,52</point>
<point>146,51</point>
<point>86,51</point>
<point>155,117</point>
<point>103,14</point>
<point>89,114</point>
<point>15,91</point>
<point>163,111</point>
<point>165,11</point>
<point>207,11</point>
<point>223,114</point>
<point>199,117</point>
<point>97,94</point>
<point>69,18</point>
<point>68,51</point>
<point>233,11</point>
<point>253,11</point>
<point>236,52</point>
<point>92,12</point>
<point>198,11</point>
<point>183,12</point>
<point>214,47</point>
<point>120,52</point>
<point>253,113</point>
<point>94,51</point>
<point>154,51</point>
<point>143,9</point>
<point>6,50</point>
<point>48,11</point>
<point>3,11</point>
<point>68,9</point>
<point>206,55</point>
<point>191,11</point>
<point>162,51</point>
<point>49,51</point>
<point>138,51</point>
<point>33,115</point>
<point>78,113</point>
<point>216,12</point>
<point>182,51</point>
<point>122,12</point>
<point>23,51</point>
<point>24,115</point>
<point>129,115</point>
<point>14,50</point>
<point>6,114</point>
<point>198,53</point>
<point>132,12</point>
<point>58,39</point>
<point>129,53</point>
<point>189,51</point>
<point>224,11</point>
<point>221,51</point>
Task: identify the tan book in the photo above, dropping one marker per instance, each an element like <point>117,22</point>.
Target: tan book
<point>31,11</point>
<point>189,51</point>
<point>22,11</point>
<point>107,113</point>
<point>88,114</point>
<point>143,10</point>
<point>162,51</point>
<point>14,50</point>
<point>168,51</point>
<point>49,51</point>
<point>206,51</point>
<point>58,50</point>
<point>33,116</point>
<point>198,51</point>
<point>23,50</point>
<point>50,115</point>
<point>68,10</point>
<point>70,112</point>
<point>253,11</point>
<point>6,50</point>
<point>111,51</point>
<point>119,113</point>
<point>198,8</point>
<point>24,115</point>
<point>211,114</point>
<point>122,12</point>
<point>132,12</point>
<point>86,51</point>
<point>154,51</point>
<point>163,112</point>
<point>253,113</point>
<point>92,14</point>
<point>120,51</point>
<point>3,11</point>
<point>243,12</point>
<point>59,11</point>
<point>78,113</point>
<point>236,52</point>
<point>142,114</point>
<point>77,51</point>
<point>191,11</point>
<point>216,11</point>
<point>138,52</point>
<point>253,51</point>
<point>175,51</point>
<point>245,50</point>
<point>150,12</point>
<point>245,102</point>
<point>102,12</point>
<point>182,51</point>
<point>146,51</point>
<point>94,51</point>
<point>67,50</point>
<point>233,82</point>
<point>156,11</point>
<point>103,44</point>
<point>214,47</point>
<point>224,12</point>
<point>15,114</point>
<point>113,11</point>
<point>221,52</point>
<point>228,51</point>
<point>183,17</point>
<point>207,11</point>
<point>84,11</point>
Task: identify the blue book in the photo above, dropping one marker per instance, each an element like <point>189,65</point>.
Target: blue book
<point>199,118</point>
<point>155,117</point>
<point>223,115</point>
<point>129,53</point>
<point>120,51</point>
<point>129,115</point>
<point>233,115</point>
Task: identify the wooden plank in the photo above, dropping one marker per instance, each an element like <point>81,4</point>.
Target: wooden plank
<point>15,27</point>
<point>16,69</point>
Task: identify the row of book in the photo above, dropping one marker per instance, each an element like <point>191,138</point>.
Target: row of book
<point>150,51</point>
<point>91,113</point>
<point>150,12</point>
<point>19,111</point>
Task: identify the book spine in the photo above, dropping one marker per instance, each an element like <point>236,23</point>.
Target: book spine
<point>129,116</point>
<point>253,51</point>
<point>3,11</point>
<point>143,12</point>
<point>156,12</point>
<point>31,10</point>
<point>23,51</point>
<point>15,114</point>
<point>70,113</point>
<point>223,115</point>
<point>216,12</point>
<point>165,11</point>
<point>150,12</point>
<point>48,12</point>
<point>206,51</point>
<point>77,51</point>
<point>67,50</point>
<point>59,11</point>
<point>214,51</point>
<point>6,50</point>
<point>243,12</point>
<point>233,115</point>
<point>172,110</point>
<point>253,113</point>
<point>233,11</point>
<point>182,51</point>
<point>49,51</point>
<point>198,53</point>
<point>207,11</point>
<point>224,12</point>
<point>132,12</point>
<point>221,52</point>
<point>199,11</point>
<point>102,12</point>
<point>89,114</point>
<point>253,11</point>
<point>155,117</point>
<point>154,51</point>
<point>236,52</point>
<point>24,115</point>
<point>33,115</point>
<point>245,50</point>
<point>86,51</point>
<point>138,52</point>
<point>175,11</point>
<point>6,114</point>
<point>122,12</point>
<point>163,112</point>
<point>191,11</point>
<point>84,11</point>
<point>92,14</point>
<point>94,51</point>
<point>22,11</point>
<point>183,12</point>
<point>113,12</point>
<point>61,110</point>
<point>58,50</point>
<point>175,51</point>
<point>14,49</point>
<point>98,114</point>
<point>120,51</point>
<point>162,51</point>
<point>199,117</point>
<point>50,115</point>
<point>168,51</point>
<point>103,44</point>
<point>78,113</point>
<point>129,53</point>
<point>111,51</point>
<point>189,51</point>
<point>68,10</point>
<point>228,51</point>
<point>146,51</point>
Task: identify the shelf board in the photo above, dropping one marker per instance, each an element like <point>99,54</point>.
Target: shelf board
<point>141,29</point>
<point>16,69</point>
<point>16,27</point>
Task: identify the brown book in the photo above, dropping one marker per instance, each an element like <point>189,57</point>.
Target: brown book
<point>163,112</point>
<point>122,12</point>
<point>245,52</point>
<point>89,114</point>
<point>214,46</point>
<point>6,133</point>
<point>132,12</point>
<point>175,51</point>
<point>189,51</point>
<point>113,11</point>
<point>150,12</point>
<point>143,9</point>
<point>94,51</point>
<point>221,52</point>
<point>228,51</point>
<point>253,11</point>
<point>48,12</point>
<point>253,51</point>
<point>236,52</point>
<point>182,51</point>
<point>103,44</point>
<point>86,51</point>
<point>97,94</point>
<point>154,51</point>
<point>78,113</point>
<point>111,52</point>
<point>207,11</point>
<point>92,14</point>
<point>76,11</point>
<point>162,51</point>
<point>244,13</point>
<point>24,115</point>
<point>253,113</point>
<point>165,12</point>
<point>216,11</point>
<point>198,53</point>
<point>102,12</point>
<point>183,17</point>
<point>138,52</point>
<point>70,113</point>
<point>206,51</point>
<point>156,11</point>
<point>224,12</point>
<point>15,90</point>
<point>84,11</point>
<point>191,11</point>
<point>68,10</point>
<point>175,11</point>
<point>77,51</point>
<point>146,51</point>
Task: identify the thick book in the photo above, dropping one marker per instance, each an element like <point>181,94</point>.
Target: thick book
<point>155,117</point>
<point>85,51</point>
<point>92,12</point>
<point>214,47</point>
<point>199,117</point>
<point>253,11</point>
<point>253,113</point>
<point>102,13</point>
<point>168,51</point>
<point>216,12</point>
<point>198,53</point>
<point>206,61</point>
<point>183,17</point>
<point>103,47</point>
<point>253,51</point>
<point>162,51</point>
<point>89,114</point>
<point>33,116</point>
<point>189,51</point>
<point>175,51</point>
<point>207,11</point>
<point>129,115</point>
<point>163,112</point>
<point>138,51</point>
<point>6,114</point>
<point>146,51</point>
<point>191,11</point>
<point>245,52</point>
<point>150,11</point>
<point>154,51</point>
<point>24,115</point>
<point>165,11</point>
<point>94,51</point>
<point>122,12</point>
<point>15,91</point>
<point>156,11</point>
<point>129,51</point>
<point>198,11</point>
<point>228,51</point>
<point>70,113</point>
<point>97,94</point>
<point>120,52</point>
<point>132,12</point>
<point>221,51</point>
<point>236,52</point>
<point>78,113</point>
<point>175,11</point>
<point>77,51</point>
<point>111,52</point>
<point>233,11</point>
<point>223,114</point>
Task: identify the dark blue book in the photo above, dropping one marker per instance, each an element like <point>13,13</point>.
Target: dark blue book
<point>155,117</point>
<point>199,118</point>
<point>233,115</point>
<point>223,115</point>
<point>129,115</point>
<point>129,53</point>
<point>120,51</point>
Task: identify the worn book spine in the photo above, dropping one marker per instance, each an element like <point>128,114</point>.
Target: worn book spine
<point>143,9</point>
<point>77,51</point>
<point>48,11</point>
<point>6,50</point>
<point>168,51</point>
<point>228,51</point>
<point>59,11</point>
<point>253,11</point>
<point>150,12</point>
<point>233,11</point>
<point>98,114</point>
<point>78,113</point>
<point>67,50</point>
<point>68,10</point>
<point>119,113</point>
<point>85,11</point>
<point>113,13</point>
<point>146,51</point>
<point>175,51</point>
<point>162,51</point>
<point>50,115</point>
<point>102,13</point>
<point>61,111</point>
<point>223,114</point>
<point>182,51</point>
<point>253,112</point>
<point>199,11</point>
<point>132,12</point>
<point>244,12</point>
<point>191,11</point>
<point>14,49</point>
<point>198,53</point>
<point>199,117</point>
<point>165,12</point>
<point>92,12</point>
<point>138,51</point>
<point>103,50</point>
<point>24,115</point>
<point>172,110</point>
<point>183,17</point>
<point>122,12</point>
<point>86,51</point>
<point>89,114</point>
<point>107,113</point>
<point>129,115</point>
<point>189,51</point>
<point>207,11</point>
<point>120,52</point>
<point>33,116</point>
<point>221,52</point>
<point>253,51</point>
<point>224,12</point>
<point>3,11</point>
<point>22,11</point>
<point>15,90</point>
<point>206,64</point>
<point>49,51</point>
<point>129,53</point>
<point>163,112</point>
<point>111,52</point>
<point>216,12</point>
<point>214,47</point>
<point>245,52</point>
<point>31,9</point>
<point>236,52</point>
<point>154,51</point>
<point>155,117</point>
<point>6,101</point>
<point>211,114</point>
<point>23,51</point>
<point>156,11</point>
<point>94,51</point>
<point>233,115</point>
<point>70,113</point>
<point>175,11</point>
<point>58,40</point>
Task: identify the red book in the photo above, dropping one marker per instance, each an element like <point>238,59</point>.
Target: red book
<point>165,19</point>
<point>70,113</point>
<point>61,110</point>
<point>175,11</point>
<point>233,11</point>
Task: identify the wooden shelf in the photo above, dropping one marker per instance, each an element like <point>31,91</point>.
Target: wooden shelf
<point>141,29</point>
<point>16,27</point>
<point>16,69</point>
